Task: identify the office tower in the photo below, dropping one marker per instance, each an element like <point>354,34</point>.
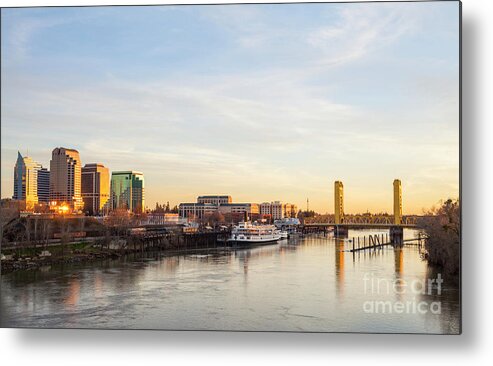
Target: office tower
<point>65,178</point>
<point>127,191</point>
<point>26,181</point>
<point>43,185</point>
<point>95,188</point>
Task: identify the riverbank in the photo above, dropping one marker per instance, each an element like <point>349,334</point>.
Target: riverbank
<point>34,263</point>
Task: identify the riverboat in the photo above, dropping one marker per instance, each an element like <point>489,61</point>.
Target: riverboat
<point>249,233</point>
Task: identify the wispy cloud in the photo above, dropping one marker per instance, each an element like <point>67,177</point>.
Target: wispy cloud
<point>362,29</point>
<point>21,33</point>
<point>245,100</point>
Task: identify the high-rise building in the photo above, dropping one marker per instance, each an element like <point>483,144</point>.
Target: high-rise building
<point>95,188</point>
<point>127,191</point>
<point>26,180</point>
<point>65,178</point>
<point>43,185</point>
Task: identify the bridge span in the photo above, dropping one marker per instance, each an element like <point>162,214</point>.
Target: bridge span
<point>342,223</point>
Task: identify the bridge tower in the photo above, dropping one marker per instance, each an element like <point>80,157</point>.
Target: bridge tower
<point>397,202</point>
<point>338,202</point>
<point>396,231</point>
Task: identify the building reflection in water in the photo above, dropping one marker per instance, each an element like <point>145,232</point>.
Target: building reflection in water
<point>245,265</point>
<point>245,256</point>
<point>98,284</point>
<point>171,264</point>
<point>72,298</point>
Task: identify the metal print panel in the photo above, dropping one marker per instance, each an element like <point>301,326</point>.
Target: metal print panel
<point>241,167</point>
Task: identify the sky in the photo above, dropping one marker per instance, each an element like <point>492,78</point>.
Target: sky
<point>261,102</point>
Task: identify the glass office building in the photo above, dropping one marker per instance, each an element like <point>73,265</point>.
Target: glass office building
<point>127,191</point>
<point>26,180</point>
<point>44,185</point>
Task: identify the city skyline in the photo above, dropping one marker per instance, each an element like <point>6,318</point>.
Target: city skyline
<point>247,114</point>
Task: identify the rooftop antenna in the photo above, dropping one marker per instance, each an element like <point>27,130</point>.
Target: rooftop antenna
<point>307,205</point>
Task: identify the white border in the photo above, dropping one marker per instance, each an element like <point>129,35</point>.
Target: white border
<point>475,346</point>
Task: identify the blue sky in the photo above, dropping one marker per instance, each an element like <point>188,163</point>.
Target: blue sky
<point>263,102</point>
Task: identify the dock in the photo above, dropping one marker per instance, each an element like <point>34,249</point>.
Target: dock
<point>378,241</point>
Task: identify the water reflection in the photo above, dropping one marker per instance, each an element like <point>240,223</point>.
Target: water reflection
<point>399,260</point>
<point>339,265</point>
<point>308,284</point>
<point>73,294</point>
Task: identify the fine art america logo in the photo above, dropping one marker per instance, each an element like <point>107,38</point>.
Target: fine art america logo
<point>400,287</point>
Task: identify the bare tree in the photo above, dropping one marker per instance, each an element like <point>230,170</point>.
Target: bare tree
<point>120,221</point>
<point>65,229</point>
<point>9,210</point>
<point>442,225</point>
<point>46,230</point>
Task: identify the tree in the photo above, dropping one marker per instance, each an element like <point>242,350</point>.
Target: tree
<point>119,220</point>
<point>9,211</point>
<point>214,218</point>
<point>442,226</point>
<point>138,219</point>
<point>46,230</point>
<point>65,229</point>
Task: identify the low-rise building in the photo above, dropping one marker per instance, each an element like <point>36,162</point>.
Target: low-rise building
<point>196,210</point>
<point>272,209</point>
<point>290,210</point>
<point>224,205</point>
<point>215,200</point>
<point>265,209</point>
<point>164,218</point>
<point>239,208</point>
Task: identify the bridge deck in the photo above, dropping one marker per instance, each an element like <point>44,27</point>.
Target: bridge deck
<point>349,225</point>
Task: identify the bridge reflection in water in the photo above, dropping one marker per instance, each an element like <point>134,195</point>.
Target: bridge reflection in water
<point>339,265</point>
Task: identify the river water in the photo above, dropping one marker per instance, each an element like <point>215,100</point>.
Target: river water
<point>307,284</point>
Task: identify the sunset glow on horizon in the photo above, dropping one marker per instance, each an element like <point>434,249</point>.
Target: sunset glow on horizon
<point>260,102</point>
